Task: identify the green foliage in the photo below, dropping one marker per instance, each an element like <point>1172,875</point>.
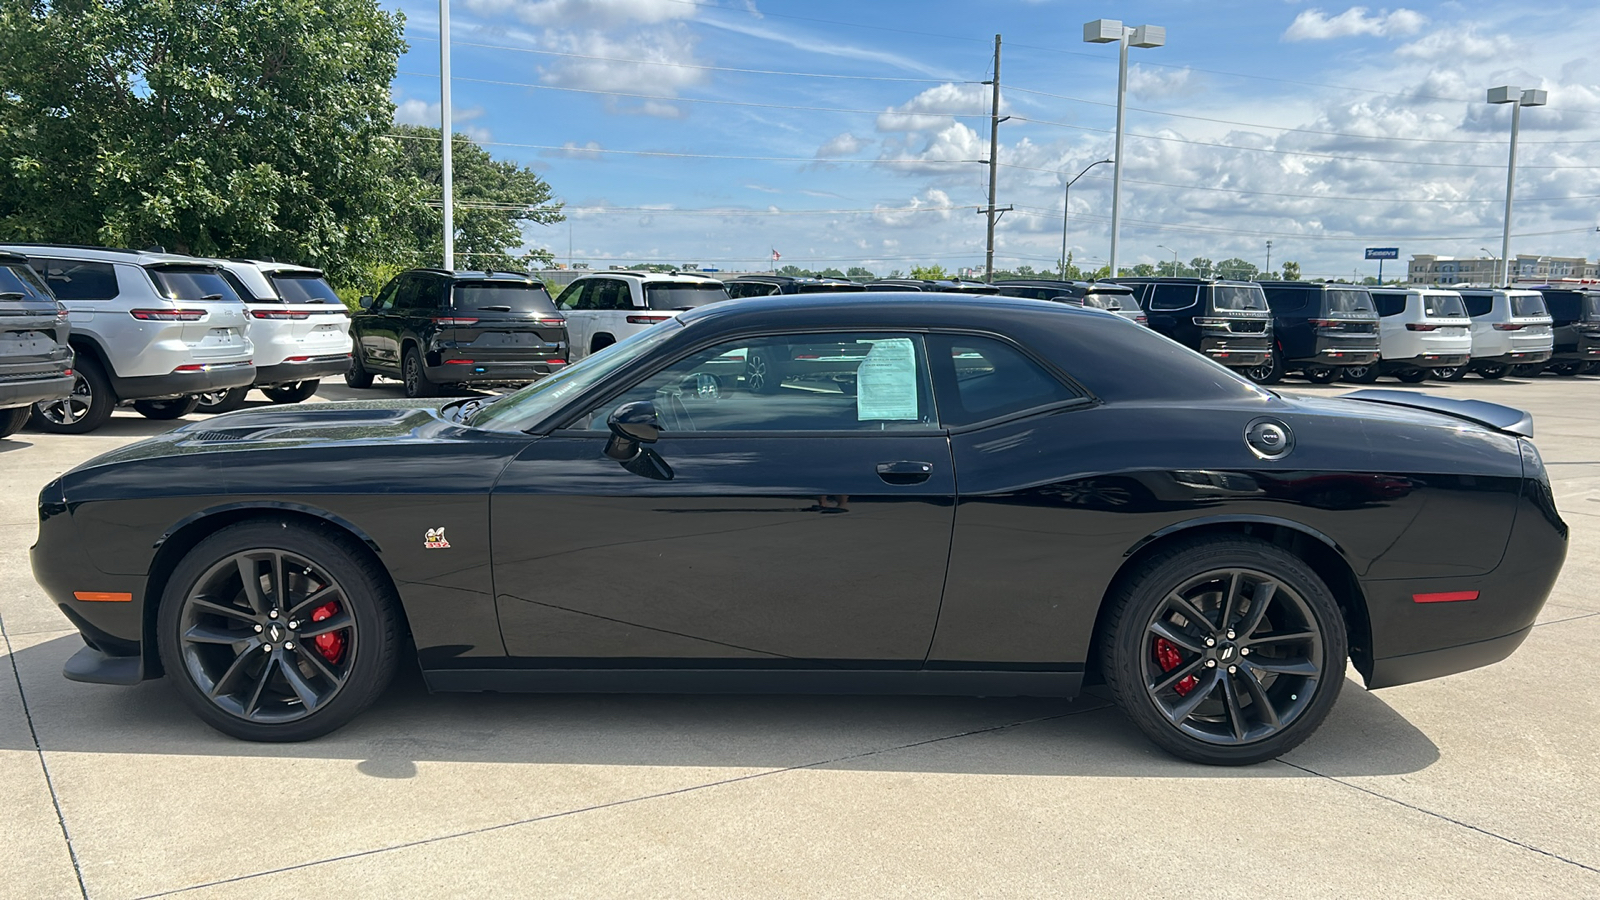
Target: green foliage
<point>1143,270</point>
<point>1236,269</point>
<point>933,273</point>
<point>859,272</point>
<point>1202,267</point>
<point>795,272</point>
<point>1291,271</point>
<point>830,272</point>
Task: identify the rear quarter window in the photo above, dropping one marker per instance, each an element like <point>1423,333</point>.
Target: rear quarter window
<point>1172,296</point>
<point>1389,304</point>
<point>1478,305</point>
<point>74,280</point>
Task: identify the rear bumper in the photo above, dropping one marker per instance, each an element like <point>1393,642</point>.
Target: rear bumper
<point>211,377</point>
<point>1238,351</point>
<point>493,372</point>
<point>51,386</point>
<point>1430,361</point>
<point>1437,663</point>
<point>1515,358</point>
<point>317,367</point>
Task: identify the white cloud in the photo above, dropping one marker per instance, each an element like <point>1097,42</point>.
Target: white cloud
<point>1151,83</point>
<point>904,216</point>
<point>1316,25</point>
<point>585,13</point>
<point>1456,46</point>
<point>937,106</point>
<point>413,111</point>
<point>840,145</point>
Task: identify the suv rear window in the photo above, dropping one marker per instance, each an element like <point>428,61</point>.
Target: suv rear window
<point>1591,307</point>
<point>682,294</point>
<point>1349,302</point>
<point>1528,305</point>
<point>19,279</point>
<point>503,296</point>
<point>192,284</point>
<point>1118,300</point>
<point>1227,297</point>
<point>303,287</point>
<point>1172,296</point>
<point>1443,306</point>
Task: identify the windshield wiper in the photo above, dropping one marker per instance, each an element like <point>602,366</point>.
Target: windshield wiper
<point>494,309</point>
<point>209,297</point>
<point>468,407</point>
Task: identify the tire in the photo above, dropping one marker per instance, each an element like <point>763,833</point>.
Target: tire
<point>1529,371</point>
<point>762,375</point>
<point>1590,368</point>
<point>295,392</point>
<point>12,420</point>
<point>416,376</point>
<point>1451,373</point>
<point>207,637</point>
<point>1493,372</point>
<point>1360,374</point>
<point>1153,683</point>
<point>1269,372</point>
<point>1322,376</point>
<point>1566,369</point>
<point>1413,376</point>
<point>357,375</point>
<point>166,410</point>
<point>88,407</point>
<point>222,401</point>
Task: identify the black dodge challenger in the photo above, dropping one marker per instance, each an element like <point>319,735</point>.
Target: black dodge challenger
<point>828,493</point>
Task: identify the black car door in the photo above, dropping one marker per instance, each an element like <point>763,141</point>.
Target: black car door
<point>372,330</point>
<point>797,527</point>
<point>426,300</point>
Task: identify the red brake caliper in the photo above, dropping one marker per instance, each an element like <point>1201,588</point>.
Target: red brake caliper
<point>331,645</point>
<point>1166,655</point>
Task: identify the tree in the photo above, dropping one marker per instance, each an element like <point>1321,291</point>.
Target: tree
<point>1236,269</point>
<point>1143,270</point>
<point>493,199</point>
<point>795,272</point>
<point>1291,271</point>
<point>1202,267</point>
<point>859,272</point>
<point>240,127</point>
<point>933,273</point>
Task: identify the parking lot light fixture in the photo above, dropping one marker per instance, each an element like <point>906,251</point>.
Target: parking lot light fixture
<point>1174,258</point>
<point>1105,31</point>
<point>1518,98</point>
<point>1065,197</point>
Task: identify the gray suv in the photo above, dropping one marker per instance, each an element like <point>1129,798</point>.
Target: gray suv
<point>35,360</point>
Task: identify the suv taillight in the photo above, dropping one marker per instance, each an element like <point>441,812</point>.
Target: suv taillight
<point>168,315</point>
<point>1508,326</point>
<point>454,321</point>
<point>278,314</point>
<point>1421,326</point>
<point>646,320</point>
<point>551,321</point>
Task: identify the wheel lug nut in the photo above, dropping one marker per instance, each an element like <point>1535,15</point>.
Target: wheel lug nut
<point>1230,635</point>
<point>1233,670</point>
<point>288,645</point>
<point>293,624</point>
<point>1244,651</point>
<point>273,614</point>
<point>267,647</point>
<point>258,629</point>
<point>1211,664</point>
<point>1211,642</point>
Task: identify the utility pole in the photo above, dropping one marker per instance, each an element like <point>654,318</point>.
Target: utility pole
<point>447,172</point>
<point>1269,260</point>
<point>994,164</point>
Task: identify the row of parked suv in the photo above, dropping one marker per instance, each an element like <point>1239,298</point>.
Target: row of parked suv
<point>85,329</point>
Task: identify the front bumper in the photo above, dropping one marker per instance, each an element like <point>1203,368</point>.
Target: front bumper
<point>209,377</point>
<point>312,368</point>
<point>53,386</point>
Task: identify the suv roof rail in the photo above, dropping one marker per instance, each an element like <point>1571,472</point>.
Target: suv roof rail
<point>78,247</point>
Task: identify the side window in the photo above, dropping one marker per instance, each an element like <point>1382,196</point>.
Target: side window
<point>1389,304</point>
<point>576,296</point>
<point>1284,302</point>
<point>981,378</point>
<point>422,294</point>
<point>1172,296</point>
<point>385,301</point>
<point>860,382</point>
<point>1478,304</point>
<point>612,293</point>
<point>73,280</point>
<point>239,288</point>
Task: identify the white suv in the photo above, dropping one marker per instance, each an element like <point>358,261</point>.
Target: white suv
<point>605,307</point>
<point>1509,328</point>
<point>153,328</point>
<point>299,326</point>
<point>1421,332</point>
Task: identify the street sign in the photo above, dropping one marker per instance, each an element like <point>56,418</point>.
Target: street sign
<point>1383,253</point>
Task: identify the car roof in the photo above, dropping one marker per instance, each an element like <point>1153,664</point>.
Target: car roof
<point>648,276</point>
<point>477,274</point>
<point>102,254</point>
<point>788,279</point>
<point>1316,285</point>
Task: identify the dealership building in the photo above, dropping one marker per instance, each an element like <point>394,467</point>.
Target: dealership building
<point>1429,269</point>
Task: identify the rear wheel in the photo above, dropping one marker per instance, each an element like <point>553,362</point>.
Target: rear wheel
<point>12,420</point>
<point>166,410</point>
<point>293,392</point>
<point>1225,650</point>
<point>1413,376</point>
<point>1566,369</point>
<point>1269,372</point>
<point>1322,376</point>
<point>1450,373</point>
<point>416,378</point>
<point>275,631</point>
<point>1590,368</point>
<point>1360,374</point>
<point>1493,371</point>
<point>87,408</point>
<point>357,375</point>
<point>222,401</point>
<point>1529,371</point>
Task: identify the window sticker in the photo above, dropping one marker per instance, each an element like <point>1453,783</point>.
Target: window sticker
<point>886,382</point>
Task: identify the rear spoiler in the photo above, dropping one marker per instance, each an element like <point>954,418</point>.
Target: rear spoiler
<point>1501,418</point>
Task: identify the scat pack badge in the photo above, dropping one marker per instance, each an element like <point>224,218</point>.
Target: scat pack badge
<point>434,540</point>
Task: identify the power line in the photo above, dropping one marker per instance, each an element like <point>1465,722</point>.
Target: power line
<point>711,211</point>
<point>1206,229</point>
<point>581,151</point>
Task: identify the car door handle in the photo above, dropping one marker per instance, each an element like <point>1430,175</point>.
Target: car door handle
<point>905,472</point>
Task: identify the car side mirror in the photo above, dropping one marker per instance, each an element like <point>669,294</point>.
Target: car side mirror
<point>632,426</point>
<point>365,302</point>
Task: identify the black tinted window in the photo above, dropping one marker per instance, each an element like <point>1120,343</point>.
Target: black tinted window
<point>751,289</point>
<point>303,288</point>
<point>1285,301</point>
<point>982,378</point>
<point>830,288</point>
<point>1564,306</point>
<point>239,287</point>
<point>503,297</point>
<point>192,284</point>
<point>1478,304</point>
<point>682,294</point>
<point>19,279</point>
<point>610,293</point>
<point>71,280</point>
<point>1528,305</point>
<point>1172,296</point>
<point>1389,304</point>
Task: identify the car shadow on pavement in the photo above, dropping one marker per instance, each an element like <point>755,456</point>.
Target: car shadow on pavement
<point>958,735</point>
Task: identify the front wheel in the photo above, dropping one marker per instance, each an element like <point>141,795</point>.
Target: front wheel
<point>1269,372</point>
<point>1225,650</point>
<point>166,410</point>
<point>12,420</point>
<point>1360,374</point>
<point>293,392</point>
<point>277,631</point>
<point>1450,373</point>
<point>1413,376</point>
<point>222,401</point>
<point>1493,371</point>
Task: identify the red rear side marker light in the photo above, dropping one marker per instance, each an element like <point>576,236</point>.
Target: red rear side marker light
<point>646,320</point>
<point>167,315</point>
<point>458,362</point>
<point>1445,597</point>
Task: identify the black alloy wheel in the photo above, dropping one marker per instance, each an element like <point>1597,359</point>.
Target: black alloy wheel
<point>1450,373</point>
<point>761,375</point>
<point>167,410</point>
<point>1493,371</point>
<point>1532,370</point>
<point>275,631</point>
<point>415,376</point>
<point>294,392</point>
<point>1590,368</point>
<point>1225,651</point>
<point>12,420</point>
<point>1413,376</point>
<point>1566,369</point>
<point>222,401</point>
<point>1322,375</point>
<point>1360,374</point>
<point>1269,372</point>
<point>85,409</point>
<point>357,375</point>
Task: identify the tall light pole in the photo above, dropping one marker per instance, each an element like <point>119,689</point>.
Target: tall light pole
<point>1518,98</point>
<point>1494,274</point>
<point>1066,195</point>
<point>1104,31</point>
<point>447,176</point>
<point>1269,260</point>
<point>1174,258</point>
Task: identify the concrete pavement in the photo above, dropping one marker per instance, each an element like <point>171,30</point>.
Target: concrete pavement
<point>1479,785</point>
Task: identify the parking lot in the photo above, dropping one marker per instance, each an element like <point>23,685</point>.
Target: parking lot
<point>1478,785</point>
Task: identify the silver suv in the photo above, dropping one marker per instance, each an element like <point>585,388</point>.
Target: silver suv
<point>605,307</point>
<point>299,327</point>
<point>152,328</point>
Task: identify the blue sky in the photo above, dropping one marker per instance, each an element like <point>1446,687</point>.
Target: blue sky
<point>1321,127</point>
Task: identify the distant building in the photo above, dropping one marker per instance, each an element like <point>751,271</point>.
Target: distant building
<point>1426,268</point>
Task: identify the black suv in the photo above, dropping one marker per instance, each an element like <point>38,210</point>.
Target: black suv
<point>1575,318</point>
<point>1318,330</point>
<point>767,285</point>
<point>35,358</point>
<point>1115,298</point>
<point>1227,321</point>
<point>940,286</point>
<point>434,327</point>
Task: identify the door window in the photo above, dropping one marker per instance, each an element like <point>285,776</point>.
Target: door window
<point>1172,296</point>
<point>983,378</point>
<point>577,295</point>
<point>857,382</point>
<point>610,293</point>
<point>422,295</point>
<point>73,280</point>
<point>386,297</point>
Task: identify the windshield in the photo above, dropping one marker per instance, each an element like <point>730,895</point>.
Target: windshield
<point>521,410</point>
<point>192,284</point>
<point>1443,306</point>
<point>503,296</point>
<point>303,287</point>
<point>1350,302</point>
<point>1591,307</point>
<point>682,294</point>
<point>1229,298</point>
<point>19,279</point>
<point>1525,305</point>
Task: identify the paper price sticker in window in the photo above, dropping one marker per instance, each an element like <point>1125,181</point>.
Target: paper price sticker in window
<point>886,382</point>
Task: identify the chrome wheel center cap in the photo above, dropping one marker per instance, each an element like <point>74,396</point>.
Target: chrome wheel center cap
<point>276,633</point>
